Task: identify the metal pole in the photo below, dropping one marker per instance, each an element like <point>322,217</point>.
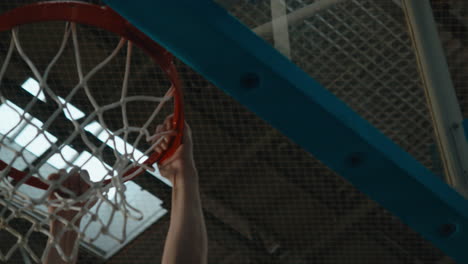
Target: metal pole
<point>440,93</point>
<point>280,27</point>
<point>297,16</point>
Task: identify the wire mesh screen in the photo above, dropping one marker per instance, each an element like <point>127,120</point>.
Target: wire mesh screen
<point>265,200</point>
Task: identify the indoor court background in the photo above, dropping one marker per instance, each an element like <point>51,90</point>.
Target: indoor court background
<point>266,200</point>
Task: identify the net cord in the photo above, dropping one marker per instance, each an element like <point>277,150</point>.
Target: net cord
<point>21,204</point>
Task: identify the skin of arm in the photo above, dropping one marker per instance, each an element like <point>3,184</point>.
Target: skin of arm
<point>68,241</point>
<point>187,240</point>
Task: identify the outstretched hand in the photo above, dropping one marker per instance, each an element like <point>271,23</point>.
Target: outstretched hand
<point>70,185</point>
<point>76,182</point>
<point>181,164</point>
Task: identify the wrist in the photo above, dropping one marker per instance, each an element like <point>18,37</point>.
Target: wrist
<point>186,181</point>
<point>186,172</point>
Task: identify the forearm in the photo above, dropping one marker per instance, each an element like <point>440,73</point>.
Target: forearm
<point>66,243</point>
<point>186,240</point>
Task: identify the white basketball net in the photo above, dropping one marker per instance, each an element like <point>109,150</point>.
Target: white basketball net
<point>15,203</point>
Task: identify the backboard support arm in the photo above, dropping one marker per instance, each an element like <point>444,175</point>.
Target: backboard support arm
<point>207,38</point>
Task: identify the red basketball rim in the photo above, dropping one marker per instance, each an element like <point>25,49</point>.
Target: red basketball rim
<point>105,18</point>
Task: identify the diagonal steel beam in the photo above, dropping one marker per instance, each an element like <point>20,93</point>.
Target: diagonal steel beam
<point>206,37</point>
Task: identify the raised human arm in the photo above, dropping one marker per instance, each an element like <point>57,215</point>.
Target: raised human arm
<point>67,242</point>
<point>187,240</point>
<point>65,238</point>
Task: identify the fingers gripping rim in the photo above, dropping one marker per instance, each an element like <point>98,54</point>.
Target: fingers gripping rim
<point>104,18</point>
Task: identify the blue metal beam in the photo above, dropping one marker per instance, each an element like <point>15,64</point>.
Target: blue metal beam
<point>227,53</point>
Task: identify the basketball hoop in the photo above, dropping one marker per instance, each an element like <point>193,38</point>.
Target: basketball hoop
<point>130,158</point>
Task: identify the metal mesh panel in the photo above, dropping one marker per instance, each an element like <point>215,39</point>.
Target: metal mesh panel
<point>360,50</point>
<point>265,199</point>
